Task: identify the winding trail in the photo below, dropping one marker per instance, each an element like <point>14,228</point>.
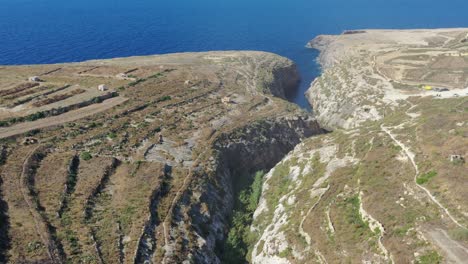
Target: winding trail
<point>373,225</point>
<point>301,228</point>
<point>411,156</point>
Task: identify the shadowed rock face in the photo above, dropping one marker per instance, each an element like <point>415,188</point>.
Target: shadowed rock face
<point>382,187</point>
<point>143,169</point>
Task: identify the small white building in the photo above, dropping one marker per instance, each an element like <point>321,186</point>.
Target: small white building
<point>34,79</point>
<point>457,158</point>
<point>102,87</point>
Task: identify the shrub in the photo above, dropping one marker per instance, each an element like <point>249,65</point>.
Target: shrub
<point>134,83</point>
<point>32,132</point>
<point>432,257</point>
<point>97,100</point>
<point>239,236</point>
<point>353,214</point>
<point>164,98</point>
<point>157,75</point>
<point>86,156</point>
<point>426,177</point>
<point>256,191</point>
<point>285,253</point>
<point>35,116</point>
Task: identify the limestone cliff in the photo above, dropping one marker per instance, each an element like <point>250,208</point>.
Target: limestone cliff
<point>386,186</point>
<point>366,72</point>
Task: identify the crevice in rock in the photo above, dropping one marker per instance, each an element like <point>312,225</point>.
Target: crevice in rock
<point>120,244</point>
<point>91,202</point>
<point>256,147</point>
<point>147,241</point>
<point>70,184</point>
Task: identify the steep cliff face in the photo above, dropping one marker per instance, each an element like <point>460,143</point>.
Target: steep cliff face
<point>207,202</point>
<point>150,158</point>
<point>282,80</point>
<point>258,146</point>
<point>385,185</point>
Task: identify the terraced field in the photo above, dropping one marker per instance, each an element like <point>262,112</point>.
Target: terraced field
<point>119,176</point>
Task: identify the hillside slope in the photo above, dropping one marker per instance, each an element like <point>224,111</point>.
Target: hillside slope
<point>141,169</point>
<point>390,183</point>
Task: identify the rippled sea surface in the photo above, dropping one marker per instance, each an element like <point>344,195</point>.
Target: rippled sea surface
<point>51,31</point>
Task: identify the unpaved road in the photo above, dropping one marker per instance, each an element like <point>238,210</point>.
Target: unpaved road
<point>60,119</point>
<point>454,251</point>
<point>411,156</point>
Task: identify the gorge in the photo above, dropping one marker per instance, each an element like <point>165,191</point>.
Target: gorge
<point>152,168</point>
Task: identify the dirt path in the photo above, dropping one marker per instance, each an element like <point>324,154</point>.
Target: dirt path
<point>411,156</point>
<point>302,232</point>
<point>454,251</point>
<point>60,119</point>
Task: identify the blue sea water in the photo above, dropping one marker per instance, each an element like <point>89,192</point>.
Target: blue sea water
<point>50,31</point>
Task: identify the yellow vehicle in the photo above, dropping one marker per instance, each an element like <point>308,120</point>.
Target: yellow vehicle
<point>427,87</point>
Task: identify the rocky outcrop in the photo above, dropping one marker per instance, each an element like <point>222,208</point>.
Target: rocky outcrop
<point>258,146</point>
<point>283,79</point>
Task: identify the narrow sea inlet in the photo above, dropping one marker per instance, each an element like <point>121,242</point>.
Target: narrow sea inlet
<point>54,31</point>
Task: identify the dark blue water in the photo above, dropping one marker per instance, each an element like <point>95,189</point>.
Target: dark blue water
<point>49,31</point>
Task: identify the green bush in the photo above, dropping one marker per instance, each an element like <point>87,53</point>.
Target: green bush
<point>164,98</point>
<point>97,100</point>
<point>134,83</point>
<point>353,214</point>
<point>239,237</point>
<point>426,177</point>
<point>256,191</point>
<point>432,257</point>
<point>86,156</point>
<point>157,75</point>
<point>35,116</point>
<point>285,253</point>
